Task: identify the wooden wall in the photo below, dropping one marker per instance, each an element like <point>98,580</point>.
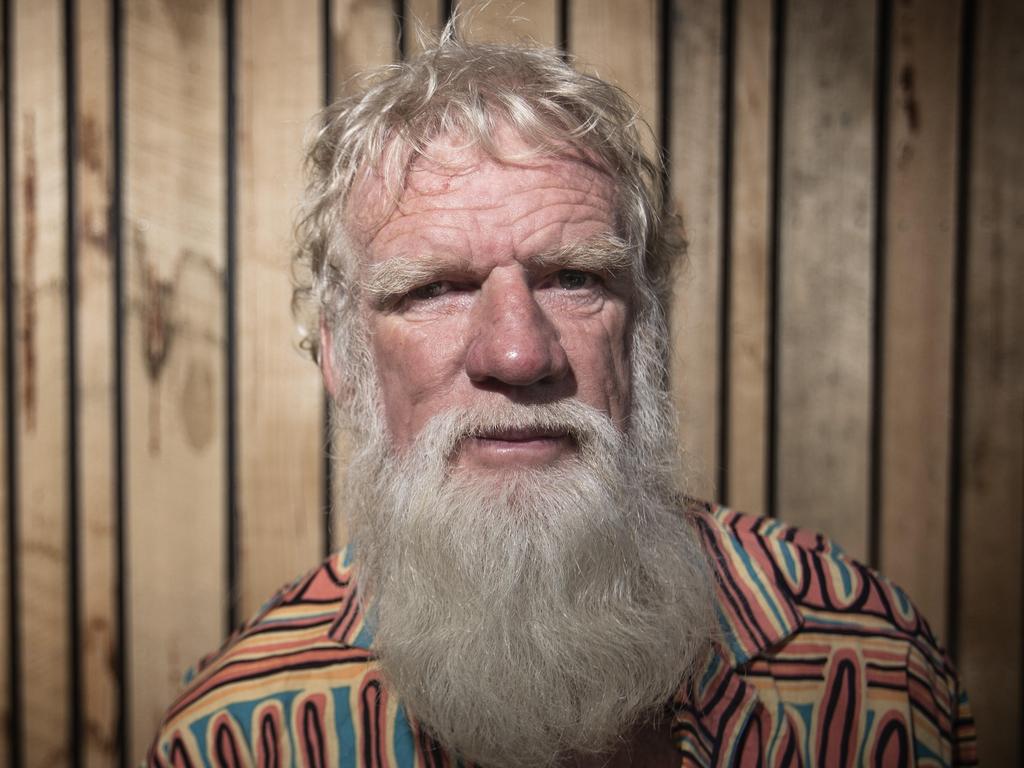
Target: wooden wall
<point>849,336</point>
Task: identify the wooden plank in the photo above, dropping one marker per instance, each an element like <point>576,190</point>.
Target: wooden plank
<point>421,16</point>
<point>280,398</point>
<point>750,272</point>
<point>174,236</point>
<point>696,147</point>
<point>597,29</point>
<point>918,312</point>
<point>94,323</point>
<point>510,21</point>
<point>40,305</point>
<point>5,389</point>
<point>992,526</point>
<point>364,34</point>
<point>827,221</point>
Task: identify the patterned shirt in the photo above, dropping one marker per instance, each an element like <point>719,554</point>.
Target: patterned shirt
<point>823,662</point>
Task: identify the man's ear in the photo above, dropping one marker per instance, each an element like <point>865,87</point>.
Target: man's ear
<point>328,369</point>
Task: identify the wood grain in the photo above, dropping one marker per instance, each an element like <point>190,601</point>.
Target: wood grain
<point>992,444</point>
<point>827,224</point>
<point>94,323</point>
<point>280,399</point>
<point>750,272</point>
<point>174,245</point>
<point>597,31</point>
<point>5,392</point>
<point>40,310</point>
<point>364,33</point>
<point>917,315</point>
<point>696,173</point>
<point>421,16</point>
<point>511,21</point>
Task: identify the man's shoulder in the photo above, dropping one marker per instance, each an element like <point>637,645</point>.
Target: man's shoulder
<point>805,572</point>
<point>817,633</point>
<point>300,658</point>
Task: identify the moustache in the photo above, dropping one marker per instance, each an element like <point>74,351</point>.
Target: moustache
<point>588,427</point>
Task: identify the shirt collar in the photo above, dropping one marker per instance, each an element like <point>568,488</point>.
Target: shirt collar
<point>755,609</point>
<point>350,627</point>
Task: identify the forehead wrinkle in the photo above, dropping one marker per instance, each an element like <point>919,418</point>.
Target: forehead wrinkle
<point>429,181</point>
<point>371,209</point>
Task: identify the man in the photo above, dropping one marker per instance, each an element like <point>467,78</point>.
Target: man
<point>487,263</point>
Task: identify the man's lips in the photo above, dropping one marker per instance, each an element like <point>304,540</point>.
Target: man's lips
<point>523,435</point>
<point>507,448</point>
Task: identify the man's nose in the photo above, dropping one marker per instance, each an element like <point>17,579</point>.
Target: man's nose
<point>513,341</point>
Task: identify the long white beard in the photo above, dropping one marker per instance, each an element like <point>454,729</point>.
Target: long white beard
<point>524,616</point>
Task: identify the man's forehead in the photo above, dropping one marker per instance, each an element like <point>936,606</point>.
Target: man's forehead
<point>450,164</point>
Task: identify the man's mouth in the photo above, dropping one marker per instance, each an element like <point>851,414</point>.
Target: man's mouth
<point>511,448</point>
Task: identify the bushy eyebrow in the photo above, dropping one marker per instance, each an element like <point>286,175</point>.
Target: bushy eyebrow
<point>605,253</point>
<point>398,275</point>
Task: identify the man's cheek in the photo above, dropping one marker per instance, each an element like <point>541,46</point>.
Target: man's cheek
<point>418,371</point>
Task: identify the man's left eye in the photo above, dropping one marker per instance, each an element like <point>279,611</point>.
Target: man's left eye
<point>574,279</point>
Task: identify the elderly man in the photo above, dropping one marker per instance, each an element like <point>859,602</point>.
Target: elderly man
<point>488,262</point>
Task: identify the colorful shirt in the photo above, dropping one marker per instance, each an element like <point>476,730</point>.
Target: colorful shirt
<point>822,662</point>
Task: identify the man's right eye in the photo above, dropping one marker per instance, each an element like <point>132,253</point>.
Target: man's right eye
<point>430,290</point>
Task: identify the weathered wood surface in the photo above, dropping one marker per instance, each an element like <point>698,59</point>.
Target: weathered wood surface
<point>95,380</point>
<point>421,16</point>
<point>364,33</point>
<point>695,142</point>
<point>40,386</point>
<point>919,249</point>
<point>826,273</point>
<point>280,405</point>
<point>992,440</point>
<point>174,251</point>
<point>597,31</point>
<point>512,21</point>
<point>749,278</point>
<point>6,550</point>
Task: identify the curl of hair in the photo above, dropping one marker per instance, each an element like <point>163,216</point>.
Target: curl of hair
<point>472,91</point>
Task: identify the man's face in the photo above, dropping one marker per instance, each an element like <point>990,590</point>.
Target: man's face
<point>493,281</point>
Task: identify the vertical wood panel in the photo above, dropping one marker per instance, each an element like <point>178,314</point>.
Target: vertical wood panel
<point>824,395</point>
<point>280,398</point>
<point>94,322</point>
<point>363,35</point>
<point>597,31</point>
<point>749,277</point>
<point>421,15</point>
<point>5,391</point>
<point>39,221</point>
<point>696,147</point>
<point>918,310</point>
<point>992,529</point>
<point>174,235</point>
<point>510,21</point>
